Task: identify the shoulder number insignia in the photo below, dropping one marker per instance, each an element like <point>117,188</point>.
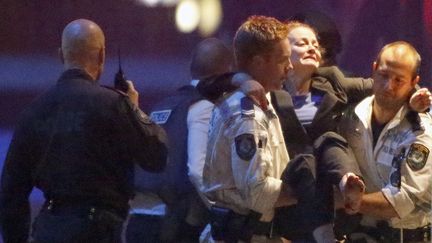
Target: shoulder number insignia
<point>160,117</point>
<point>245,146</point>
<point>247,107</point>
<point>417,156</point>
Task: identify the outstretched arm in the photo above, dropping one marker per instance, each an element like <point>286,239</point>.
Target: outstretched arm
<point>376,205</point>
<point>213,88</point>
<point>358,88</point>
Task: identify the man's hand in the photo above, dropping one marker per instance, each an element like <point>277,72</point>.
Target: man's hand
<point>256,92</point>
<point>421,100</point>
<point>251,88</point>
<point>352,188</point>
<point>132,93</point>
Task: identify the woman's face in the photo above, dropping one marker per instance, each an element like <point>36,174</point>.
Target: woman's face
<point>305,51</point>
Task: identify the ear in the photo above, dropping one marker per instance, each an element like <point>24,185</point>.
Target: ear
<point>60,54</point>
<point>101,56</point>
<point>415,80</point>
<point>374,66</point>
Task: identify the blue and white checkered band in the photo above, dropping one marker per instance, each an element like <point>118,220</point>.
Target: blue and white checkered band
<point>247,107</point>
<point>395,178</point>
<point>160,117</point>
<point>245,146</point>
<point>417,156</point>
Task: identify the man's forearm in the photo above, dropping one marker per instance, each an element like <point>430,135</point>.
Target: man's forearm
<point>376,205</point>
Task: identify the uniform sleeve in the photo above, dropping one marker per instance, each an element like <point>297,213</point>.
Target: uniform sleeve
<point>252,163</point>
<point>416,179</point>
<point>16,185</point>
<point>146,141</point>
<point>198,119</point>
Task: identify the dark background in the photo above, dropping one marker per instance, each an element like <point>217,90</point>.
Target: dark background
<point>156,55</point>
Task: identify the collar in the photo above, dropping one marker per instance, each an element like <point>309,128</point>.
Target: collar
<point>364,112</point>
<point>75,74</point>
<point>194,82</point>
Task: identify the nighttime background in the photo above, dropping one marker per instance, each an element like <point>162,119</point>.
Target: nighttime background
<point>156,55</point>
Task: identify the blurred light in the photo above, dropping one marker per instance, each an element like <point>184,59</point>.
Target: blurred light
<point>169,3</point>
<point>187,15</point>
<point>211,16</point>
<point>149,3</point>
<point>154,3</point>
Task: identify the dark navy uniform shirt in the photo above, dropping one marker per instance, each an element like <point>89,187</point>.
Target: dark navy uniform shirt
<point>77,143</point>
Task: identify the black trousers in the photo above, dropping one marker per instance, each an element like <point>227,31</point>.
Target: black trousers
<point>143,228</point>
<point>312,177</point>
<point>76,225</point>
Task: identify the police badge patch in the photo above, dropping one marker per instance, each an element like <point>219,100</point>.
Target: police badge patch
<point>417,156</point>
<point>160,117</point>
<point>245,146</point>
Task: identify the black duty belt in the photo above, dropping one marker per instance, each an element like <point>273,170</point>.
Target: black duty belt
<point>229,226</point>
<point>384,233</point>
<point>82,208</point>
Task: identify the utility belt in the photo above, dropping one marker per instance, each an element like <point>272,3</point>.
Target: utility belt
<point>384,233</point>
<point>83,210</point>
<point>231,227</point>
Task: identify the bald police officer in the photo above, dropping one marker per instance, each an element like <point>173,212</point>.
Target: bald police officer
<point>77,143</point>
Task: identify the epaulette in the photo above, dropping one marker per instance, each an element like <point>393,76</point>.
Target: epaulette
<point>247,107</point>
<point>415,121</point>
<point>114,89</point>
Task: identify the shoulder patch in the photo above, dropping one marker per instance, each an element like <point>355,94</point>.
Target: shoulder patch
<point>417,156</point>
<point>245,146</point>
<point>160,117</point>
<point>247,107</point>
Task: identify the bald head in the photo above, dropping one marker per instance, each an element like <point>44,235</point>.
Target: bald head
<point>210,57</point>
<point>83,47</point>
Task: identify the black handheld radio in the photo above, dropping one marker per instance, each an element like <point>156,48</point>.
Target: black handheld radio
<point>120,80</point>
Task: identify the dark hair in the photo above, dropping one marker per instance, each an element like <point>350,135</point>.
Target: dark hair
<point>210,57</point>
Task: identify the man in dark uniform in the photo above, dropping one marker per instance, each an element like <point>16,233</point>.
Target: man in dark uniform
<point>78,144</point>
<point>166,207</point>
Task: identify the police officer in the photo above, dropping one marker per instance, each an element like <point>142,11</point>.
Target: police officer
<point>78,143</point>
<point>246,153</point>
<point>167,207</point>
<point>304,121</point>
<point>391,145</point>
